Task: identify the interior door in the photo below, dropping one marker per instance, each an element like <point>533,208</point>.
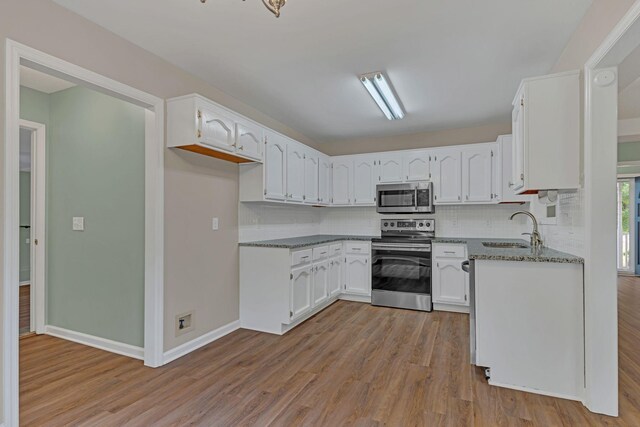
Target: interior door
<point>275,168</point>
<point>447,176</point>
<point>216,128</point>
<point>477,173</point>
<point>311,174</point>
<point>295,172</point>
<point>390,169</point>
<point>364,182</point>
<point>249,140</point>
<point>342,181</point>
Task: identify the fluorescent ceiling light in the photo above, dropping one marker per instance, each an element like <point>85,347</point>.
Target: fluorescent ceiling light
<point>381,92</point>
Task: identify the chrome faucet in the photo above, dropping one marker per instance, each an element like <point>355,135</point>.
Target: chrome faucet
<point>536,239</point>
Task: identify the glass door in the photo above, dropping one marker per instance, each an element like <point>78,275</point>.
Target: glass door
<point>625,226</point>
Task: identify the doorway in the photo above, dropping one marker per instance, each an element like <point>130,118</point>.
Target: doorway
<point>626,240</point>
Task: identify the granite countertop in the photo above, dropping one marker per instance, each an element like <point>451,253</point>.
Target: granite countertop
<point>477,251</point>
<point>301,242</point>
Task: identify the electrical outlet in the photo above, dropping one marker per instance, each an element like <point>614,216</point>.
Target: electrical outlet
<point>78,223</point>
<point>184,323</point>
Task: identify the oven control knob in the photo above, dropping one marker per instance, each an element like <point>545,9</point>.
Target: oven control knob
<point>421,225</point>
<point>392,224</point>
<point>386,224</point>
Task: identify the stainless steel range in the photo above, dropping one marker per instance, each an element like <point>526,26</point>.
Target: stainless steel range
<point>401,264</point>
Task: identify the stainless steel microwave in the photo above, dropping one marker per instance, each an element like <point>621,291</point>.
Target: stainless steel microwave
<point>412,197</point>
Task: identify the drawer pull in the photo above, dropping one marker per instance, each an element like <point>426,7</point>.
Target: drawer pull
<point>304,257</point>
<point>449,252</point>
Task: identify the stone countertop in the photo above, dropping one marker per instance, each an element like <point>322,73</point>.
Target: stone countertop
<point>301,242</point>
<point>477,251</point>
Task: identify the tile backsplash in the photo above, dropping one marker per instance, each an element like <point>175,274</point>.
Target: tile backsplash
<point>568,234</point>
<point>263,222</point>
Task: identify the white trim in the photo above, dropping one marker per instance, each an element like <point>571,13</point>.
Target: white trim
<point>38,223</point>
<point>111,346</point>
<point>355,298</point>
<point>535,391</point>
<point>25,283</point>
<point>451,308</point>
<point>201,341</point>
<point>15,54</point>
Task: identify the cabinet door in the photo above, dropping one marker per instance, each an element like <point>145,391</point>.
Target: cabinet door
<point>508,195</point>
<point>300,292</point>
<point>216,128</point>
<point>477,173</point>
<point>311,171</point>
<point>496,167</point>
<point>518,127</point>
<point>275,168</point>
<point>450,282</point>
<point>447,177</point>
<point>249,139</point>
<point>324,180</point>
<point>358,275</point>
<point>334,282</point>
<point>417,165</point>
<point>295,172</point>
<point>364,181</point>
<point>320,281</point>
<point>390,168</point>
<point>342,181</point>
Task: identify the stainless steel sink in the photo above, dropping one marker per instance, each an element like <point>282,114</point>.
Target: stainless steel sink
<point>505,245</point>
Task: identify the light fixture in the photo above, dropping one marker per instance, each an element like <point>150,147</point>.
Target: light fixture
<point>380,90</point>
<point>273,5</point>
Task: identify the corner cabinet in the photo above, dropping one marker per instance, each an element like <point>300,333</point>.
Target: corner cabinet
<point>199,125</point>
<point>546,134</point>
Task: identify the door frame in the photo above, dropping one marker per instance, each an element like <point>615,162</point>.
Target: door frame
<point>15,55</point>
<point>600,174</point>
<point>38,223</point>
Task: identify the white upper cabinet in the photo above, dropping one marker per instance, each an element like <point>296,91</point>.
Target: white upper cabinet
<point>197,124</point>
<point>342,169</point>
<point>324,180</point>
<point>275,167</point>
<point>446,175</point>
<point>311,175</point>
<point>477,173</point>
<point>364,180</point>
<point>249,139</point>
<point>546,133</point>
<point>508,195</point>
<point>295,172</point>
<point>390,167</point>
<point>417,165</point>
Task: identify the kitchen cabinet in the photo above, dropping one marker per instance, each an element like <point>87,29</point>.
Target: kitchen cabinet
<point>335,280</point>
<point>390,167</point>
<point>447,176</point>
<point>506,176</point>
<point>295,172</point>
<point>342,186</point>
<point>197,124</point>
<point>275,168</point>
<point>300,292</point>
<point>324,180</point>
<point>417,165</point>
<point>358,274</point>
<point>364,181</point>
<point>320,283</point>
<point>450,283</point>
<point>311,176</point>
<point>478,173</point>
<point>546,133</point>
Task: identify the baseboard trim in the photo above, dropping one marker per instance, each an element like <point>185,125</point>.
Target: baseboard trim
<point>356,298</point>
<point>536,391</point>
<point>450,307</point>
<point>201,341</point>
<point>96,342</point>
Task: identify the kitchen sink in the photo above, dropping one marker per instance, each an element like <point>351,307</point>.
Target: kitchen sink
<point>505,245</point>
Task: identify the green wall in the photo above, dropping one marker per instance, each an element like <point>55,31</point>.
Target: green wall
<point>25,219</point>
<point>95,169</point>
<point>629,152</point>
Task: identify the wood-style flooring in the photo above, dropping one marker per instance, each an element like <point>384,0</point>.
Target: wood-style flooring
<point>25,309</point>
<point>353,364</point>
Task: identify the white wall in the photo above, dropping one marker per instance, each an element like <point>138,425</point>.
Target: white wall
<point>569,233</point>
<point>264,222</point>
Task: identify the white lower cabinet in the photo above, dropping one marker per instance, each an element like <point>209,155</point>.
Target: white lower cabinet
<point>450,284</point>
<point>280,288</point>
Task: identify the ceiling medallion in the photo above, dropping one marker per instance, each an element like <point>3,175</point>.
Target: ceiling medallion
<point>273,5</point>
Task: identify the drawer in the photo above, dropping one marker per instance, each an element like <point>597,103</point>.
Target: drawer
<point>321,252</point>
<point>301,257</point>
<point>357,247</point>
<point>449,251</point>
<point>335,249</point>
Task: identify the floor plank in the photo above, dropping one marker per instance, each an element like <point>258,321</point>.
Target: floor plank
<point>353,364</point>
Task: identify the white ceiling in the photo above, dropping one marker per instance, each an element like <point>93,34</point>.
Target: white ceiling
<point>453,63</point>
<point>41,81</point>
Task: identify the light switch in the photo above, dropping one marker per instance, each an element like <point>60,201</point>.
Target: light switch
<point>214,224</point>
<point>78,223</point>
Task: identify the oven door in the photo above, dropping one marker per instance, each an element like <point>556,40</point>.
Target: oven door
<point>404,269</point>
<point>396,199</point>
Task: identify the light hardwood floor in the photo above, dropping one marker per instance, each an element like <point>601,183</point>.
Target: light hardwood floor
<point>353,364</point>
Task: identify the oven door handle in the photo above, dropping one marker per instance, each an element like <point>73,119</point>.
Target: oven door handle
<point>405,248</point>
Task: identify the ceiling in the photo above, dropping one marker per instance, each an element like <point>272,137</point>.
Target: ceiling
<point>41,81</point>
<point>452,64</point>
